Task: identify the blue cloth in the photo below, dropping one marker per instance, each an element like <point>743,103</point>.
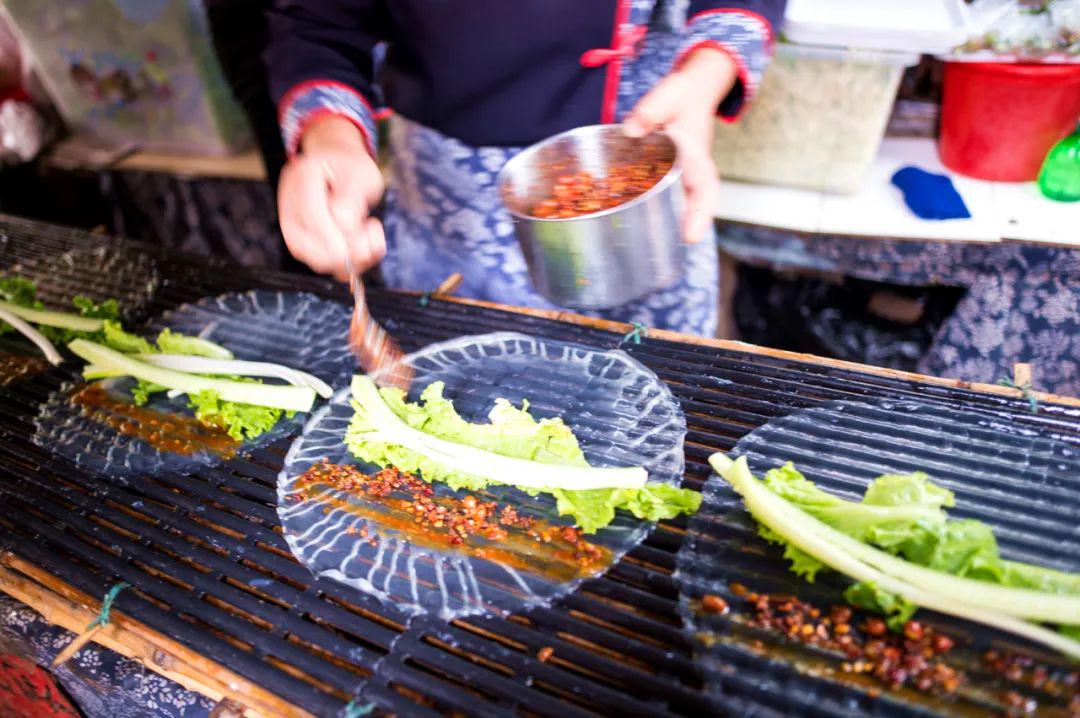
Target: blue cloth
<point>930,196</point>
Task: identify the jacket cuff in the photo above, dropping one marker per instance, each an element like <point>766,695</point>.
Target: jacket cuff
<point>746,37</point>
<point>312,99</point>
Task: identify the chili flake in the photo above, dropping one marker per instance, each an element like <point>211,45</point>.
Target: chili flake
<point>581,193</point>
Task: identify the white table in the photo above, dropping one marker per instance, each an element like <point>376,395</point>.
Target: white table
<point>1000,210</point>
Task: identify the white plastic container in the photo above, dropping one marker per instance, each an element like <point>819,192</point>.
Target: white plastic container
<point>817,120</point>
<point>925,26</point>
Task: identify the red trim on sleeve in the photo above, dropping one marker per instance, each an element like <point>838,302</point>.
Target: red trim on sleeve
<point>742,72</point>
<point>319,113</point>
<point>770,38</point>
<point>614,68</point>
<point>299,88</point>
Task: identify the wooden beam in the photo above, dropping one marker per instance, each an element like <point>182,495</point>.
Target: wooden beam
<point>62,604</point>
<point>730,345</point>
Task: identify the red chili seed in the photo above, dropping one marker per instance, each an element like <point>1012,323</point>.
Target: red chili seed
<point>941,643</point>
<point>875,626</point>
<point>713,604</point>
<point>913,630</point>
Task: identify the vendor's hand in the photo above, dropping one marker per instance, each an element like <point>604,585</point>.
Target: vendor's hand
<point>324,197</point>
<point>684,103</point>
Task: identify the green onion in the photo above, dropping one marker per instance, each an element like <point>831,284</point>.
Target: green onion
<point>289,398</point>
<point>32,334</point>
<point>833,548</point>
<point>485,464</point>
<point>49,318</point>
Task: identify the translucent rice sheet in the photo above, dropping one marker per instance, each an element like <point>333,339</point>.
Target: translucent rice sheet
<point>295,329</point>
<point>622,414</point>
<point>1024,484</point>
<point>15,366</point>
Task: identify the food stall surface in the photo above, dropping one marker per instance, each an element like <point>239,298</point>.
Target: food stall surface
<point>218,602</point>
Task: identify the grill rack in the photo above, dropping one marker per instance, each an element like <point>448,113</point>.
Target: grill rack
<point>211,571</point>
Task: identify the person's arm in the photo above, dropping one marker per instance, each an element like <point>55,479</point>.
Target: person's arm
<point>740,29</point>
<point>320,65</point>
<point>716,71</point>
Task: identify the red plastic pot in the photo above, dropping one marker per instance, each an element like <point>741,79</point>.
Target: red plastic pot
<point>998,120</point>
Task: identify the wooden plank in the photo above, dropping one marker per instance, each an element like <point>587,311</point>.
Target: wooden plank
<point>245,166</point>
<point>731,345</point>
<point>62,604</point>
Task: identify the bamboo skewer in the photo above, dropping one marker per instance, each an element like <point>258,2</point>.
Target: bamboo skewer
<point>76,643</point>
<point>449,285</point>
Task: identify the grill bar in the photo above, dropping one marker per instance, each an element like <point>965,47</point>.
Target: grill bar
<point>618,645</point>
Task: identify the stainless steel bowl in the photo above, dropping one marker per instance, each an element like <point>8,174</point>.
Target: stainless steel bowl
<point>606,258</point>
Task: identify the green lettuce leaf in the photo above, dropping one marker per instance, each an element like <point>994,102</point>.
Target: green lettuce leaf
<point>169,342</point>
<point>142,390</point>
<point>22,291</point>
<point>109,309</point>
<point>904,514</point>
<point>1039,578</point>
<point>19,290</point>
<point>802,563</point>
<point>513,432</point>
<point>241,421</point>
<point>896,609</point>
<point>897,504</point>
<point>115,337</point>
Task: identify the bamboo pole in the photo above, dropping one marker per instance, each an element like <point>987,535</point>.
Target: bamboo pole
<point>622,328</point>
<point>63,605</point>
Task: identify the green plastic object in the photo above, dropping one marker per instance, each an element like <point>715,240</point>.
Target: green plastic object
<point>1059,177</point>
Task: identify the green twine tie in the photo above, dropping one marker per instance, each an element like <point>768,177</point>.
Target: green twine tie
<point>635,334</point>
<point>106,605</point>
<point>424,299</point>
<point>355,709</point>
<point>1033,401</point>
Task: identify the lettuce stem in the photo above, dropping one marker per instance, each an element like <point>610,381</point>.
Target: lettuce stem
<point>237,367</point>
<point>289,398</point>
<point>49,318</point>
<point>39,339</point>
<point>832,548</point>
<point>486,464</point>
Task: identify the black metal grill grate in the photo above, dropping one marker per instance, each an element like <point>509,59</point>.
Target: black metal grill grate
<point>211,570</point>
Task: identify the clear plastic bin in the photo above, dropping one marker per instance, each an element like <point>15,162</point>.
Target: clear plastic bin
<point>817,120</point>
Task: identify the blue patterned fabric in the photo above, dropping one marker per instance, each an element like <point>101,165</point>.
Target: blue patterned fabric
<point>498,73</point>
<point>444,215</point>
<point>745,37</point>
<point>1022,302</point>
<point>308,100</point>
<point>101,682</point>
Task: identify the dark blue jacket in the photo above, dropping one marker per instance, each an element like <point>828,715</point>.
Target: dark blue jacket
<point>491,72</point>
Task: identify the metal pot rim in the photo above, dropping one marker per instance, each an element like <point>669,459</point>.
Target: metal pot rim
<point>671,176</point>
